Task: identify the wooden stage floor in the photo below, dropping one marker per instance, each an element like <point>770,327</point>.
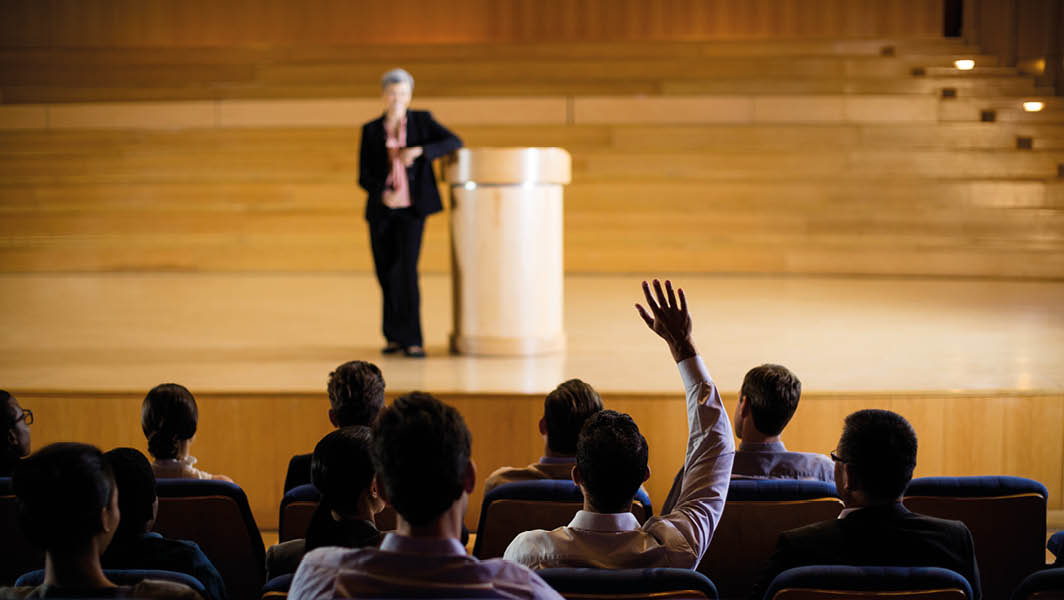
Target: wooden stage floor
<point>244,332</point>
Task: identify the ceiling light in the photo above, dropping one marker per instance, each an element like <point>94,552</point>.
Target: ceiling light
<point>964,64</point>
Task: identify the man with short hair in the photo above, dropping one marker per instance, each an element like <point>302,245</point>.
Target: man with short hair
<point>767,401</point>
<point>356,395</point>
<point>16,427</point>
<point>67,505</point>
<point>422,452</point>
<point>135,545</point>
<point>611,463</point>
<point>564,412</point>
<point>874,462</point>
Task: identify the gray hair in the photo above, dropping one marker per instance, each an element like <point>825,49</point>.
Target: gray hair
<point>397,76</point>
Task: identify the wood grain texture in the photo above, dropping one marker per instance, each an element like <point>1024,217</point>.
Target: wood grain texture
<point>250,437</point>
<point>947,199</point>
<point>125,23</point>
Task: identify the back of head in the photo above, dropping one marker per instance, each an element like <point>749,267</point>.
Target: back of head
<point>612,457</point>
<point>168,416</point>
<point>879,446</point>
<point>62,490</point>
<point>356,393</point>
<point>421,449</point>
<point>342,468</point>
<point>565,410</point>
<point>772,392</point>
<point>136,490</point>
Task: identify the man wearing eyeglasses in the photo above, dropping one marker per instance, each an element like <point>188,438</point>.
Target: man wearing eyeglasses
<point>874,462</point>
<point>17,421</point>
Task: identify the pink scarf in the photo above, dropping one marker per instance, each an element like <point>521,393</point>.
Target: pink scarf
<point>396,188</point>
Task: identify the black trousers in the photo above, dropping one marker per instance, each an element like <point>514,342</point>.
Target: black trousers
<point>395,239</point>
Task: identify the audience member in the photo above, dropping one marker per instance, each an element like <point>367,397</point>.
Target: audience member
<point>422,453</point>
<point>17,421</point>
<point>564,411</point>
<point>67,505</point>
<point>356,395</point>
<point>874,462</point>
<point>611,463</point>
<point>135,545</point>
<point>169,417</point>
<point>342,470</point>
<point>767,401</point>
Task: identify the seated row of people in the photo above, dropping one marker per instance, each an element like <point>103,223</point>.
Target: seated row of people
<point>420,451</point>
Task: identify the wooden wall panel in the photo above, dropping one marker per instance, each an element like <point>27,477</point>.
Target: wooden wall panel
<point>293,22</point>
<point>251,436</point>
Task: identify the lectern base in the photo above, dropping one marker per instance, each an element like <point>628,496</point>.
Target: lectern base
<point>498,346</point>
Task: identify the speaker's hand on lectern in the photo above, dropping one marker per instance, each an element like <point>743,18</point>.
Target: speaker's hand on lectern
<point>669,318</point>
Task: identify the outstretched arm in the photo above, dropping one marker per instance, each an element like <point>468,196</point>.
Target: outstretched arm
<point>710,447</point>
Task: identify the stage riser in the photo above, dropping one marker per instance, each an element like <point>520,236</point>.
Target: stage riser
<point>251,436</point>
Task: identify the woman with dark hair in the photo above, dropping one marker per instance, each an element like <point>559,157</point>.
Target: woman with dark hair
<point>68,506</point>
<point>395,169</point>
<point>342,470</point>
<point>168,418</point>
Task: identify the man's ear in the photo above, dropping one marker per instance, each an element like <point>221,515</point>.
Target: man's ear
<point>332,418</point>
<point>646,475</point>
<point>380,487</point>
<point>469,480</point>
<point>543,426</point>
<point>744,405</point>
<point>578,478</point>
<point>110,515</point>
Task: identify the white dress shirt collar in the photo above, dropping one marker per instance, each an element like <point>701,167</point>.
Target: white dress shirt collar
<point>593,521</point>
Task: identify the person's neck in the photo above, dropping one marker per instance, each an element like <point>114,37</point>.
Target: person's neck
<point>75,571</point>
<point>753,436</point>
<point>547,452</point>
<point>447,525</point>
<point>362,512</point>
<point>858,499</point>
<point>394,116</point>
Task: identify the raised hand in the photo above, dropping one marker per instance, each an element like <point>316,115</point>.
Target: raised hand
<point>668,318</point>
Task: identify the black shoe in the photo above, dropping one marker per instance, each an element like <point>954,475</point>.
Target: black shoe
<point>391,348</point>
<point>414,352</point>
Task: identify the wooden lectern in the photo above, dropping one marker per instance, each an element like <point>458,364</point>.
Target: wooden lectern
<point>506,250</point>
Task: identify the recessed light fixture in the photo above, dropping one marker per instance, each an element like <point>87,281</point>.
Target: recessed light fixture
<point>1033,106</point>
<point>964,64</point>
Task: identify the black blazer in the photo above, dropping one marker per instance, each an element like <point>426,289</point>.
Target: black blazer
<point>373,167</point>
<point>881,536</point>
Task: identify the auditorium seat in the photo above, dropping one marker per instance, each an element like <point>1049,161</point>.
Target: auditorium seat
<point>629,584</point>
<point>1007,518</point>
<point>297,507</point>
<point>17,554</point>
<point>524,505</point>
<point>756,512</point>
<point>1047,584</point>
<point>834,582</point>
<point>126,577</point>
<point>277,588</point>
<point>215,515</point>
<point>1056,546</point>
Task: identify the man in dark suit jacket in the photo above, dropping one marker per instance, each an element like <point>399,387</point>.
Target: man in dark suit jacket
<point>873,464</point>
<point>395,232</point>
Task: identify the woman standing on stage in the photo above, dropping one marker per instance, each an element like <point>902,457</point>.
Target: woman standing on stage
<point>395,169</point>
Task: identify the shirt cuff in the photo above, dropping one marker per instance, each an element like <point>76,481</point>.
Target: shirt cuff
<point>693,371</point>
